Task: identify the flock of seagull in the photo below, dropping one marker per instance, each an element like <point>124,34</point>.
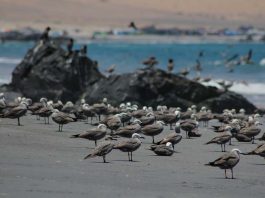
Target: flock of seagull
<point>129,122</point>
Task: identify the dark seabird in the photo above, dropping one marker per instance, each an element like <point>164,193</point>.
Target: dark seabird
<point>62,118</point>
<point>94,134</point>
<point>251,131</point>
<point>260,150</point>
<point>163,149</point>
<point>129,130</point>
<point>129,145</point>
<point>45,35</point>
<point>227,161</point>
<point>173,138</point>
<point>153,129</point>
<point>16,112</point>
<point>170,65</point>
<point>222,139</point>
<point>101,150</point>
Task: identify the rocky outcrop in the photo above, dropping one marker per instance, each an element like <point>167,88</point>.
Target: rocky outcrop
<point>153,87</point>
<point>49,71</point>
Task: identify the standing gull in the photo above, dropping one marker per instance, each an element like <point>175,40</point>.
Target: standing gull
<point>227,161</point>
<point>93,134</point>
<point>62,118</point>
<point>16,112</point>
<point>129,145</point>
<point>251,131</point>
<point>153,129</point>
<point>173,138</point>
<point>222,139</point>
<point>102,150</point>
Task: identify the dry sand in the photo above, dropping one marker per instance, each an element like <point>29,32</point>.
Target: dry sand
<point>96,14</point>
<point>36,161</point>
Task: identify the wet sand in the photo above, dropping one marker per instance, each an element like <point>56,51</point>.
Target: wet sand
<point>37,161</point>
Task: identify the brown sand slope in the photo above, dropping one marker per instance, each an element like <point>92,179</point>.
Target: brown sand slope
<point>104,13</point>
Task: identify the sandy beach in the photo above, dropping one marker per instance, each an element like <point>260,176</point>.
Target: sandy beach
<point>99,14</point>
<point>37,161</point>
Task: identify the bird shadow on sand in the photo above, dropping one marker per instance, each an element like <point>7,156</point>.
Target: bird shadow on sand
<point>125,161</point>
<point>97,162</point>
<point>223,178</point>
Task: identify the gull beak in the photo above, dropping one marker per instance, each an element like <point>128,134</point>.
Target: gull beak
<point>142,137</point>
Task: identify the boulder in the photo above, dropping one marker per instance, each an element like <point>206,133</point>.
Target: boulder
<point>49,71</point>
<point>152,87</point>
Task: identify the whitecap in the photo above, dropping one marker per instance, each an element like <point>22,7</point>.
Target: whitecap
<point>8,60</point>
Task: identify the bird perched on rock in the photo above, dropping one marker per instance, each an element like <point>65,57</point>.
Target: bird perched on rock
<point>227,161</point>
<point>170,65</point>
<point>151,62</point>
<point>111,69</point>
<point>129,145</point>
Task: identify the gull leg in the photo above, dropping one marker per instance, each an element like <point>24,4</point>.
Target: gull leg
<point>18,121</point>
<point>232,173</point>
<point>226,175</point>
<point>129,156</point>
<point>95,142</point>
<point>104,158</point>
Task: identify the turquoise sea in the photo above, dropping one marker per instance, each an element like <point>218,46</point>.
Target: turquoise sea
<point>128,56</point>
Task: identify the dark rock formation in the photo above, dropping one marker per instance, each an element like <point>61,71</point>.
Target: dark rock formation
<point>153,87</point>
<point>49,71</point>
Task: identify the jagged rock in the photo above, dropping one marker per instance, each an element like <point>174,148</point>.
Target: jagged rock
<point>47,70</point>
<point>228,100</point>
<point>153,87</point>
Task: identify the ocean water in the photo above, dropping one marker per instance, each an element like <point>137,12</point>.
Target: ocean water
<point>128,56</point>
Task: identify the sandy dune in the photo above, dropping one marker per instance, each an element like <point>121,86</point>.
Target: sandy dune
<point>111,13</point>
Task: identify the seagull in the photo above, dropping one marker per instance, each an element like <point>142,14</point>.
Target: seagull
<point>93,134</point>
<point>102,150</point>
<point>110,69</point>
<point>260,150</point>
<point>150,62</point>
<point>148,119</point>
<point>163,149</point>
<point>188,126</point>
<point>16,112</point>
<point>62,118</point>
<point>153,129</point>
<point>129,145</point>
<point>169,118</point>
<point>173,138</point>
<point>222,139</point>
<point>227,161</point>
<point>251,131</point>
<point>170,65</point>
<point>129,130</point>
